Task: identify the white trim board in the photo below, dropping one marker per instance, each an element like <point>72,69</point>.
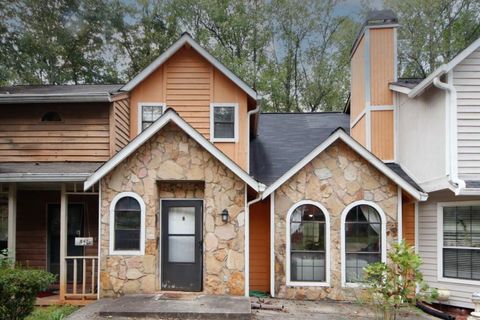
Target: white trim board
<point>170,116</point>
<point>187,39</point>
<point>444,68</point>
<point>357,147</point>
<point>291,283</point>
<point>235,121</point>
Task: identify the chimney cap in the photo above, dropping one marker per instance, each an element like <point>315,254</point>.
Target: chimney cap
<point>379,17</point>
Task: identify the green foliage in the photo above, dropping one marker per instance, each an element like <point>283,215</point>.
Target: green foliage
<point>52,312</point>
<point>398,283</point>
<point>18,291</point>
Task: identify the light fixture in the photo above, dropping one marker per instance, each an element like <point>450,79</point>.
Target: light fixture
<point>224,215</point>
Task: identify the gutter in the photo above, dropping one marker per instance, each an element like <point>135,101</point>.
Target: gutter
<point>44,177</point>
<point>451,116</point>
<point>249,114</point>
<point>53,98</point>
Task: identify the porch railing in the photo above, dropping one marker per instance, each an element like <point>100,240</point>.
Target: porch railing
<point>81,277</point>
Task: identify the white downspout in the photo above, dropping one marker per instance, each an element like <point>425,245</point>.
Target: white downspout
<point>247,235</point>
<point>249,113</point>
<point>451,115</point>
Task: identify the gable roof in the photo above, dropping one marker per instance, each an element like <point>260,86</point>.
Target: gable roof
<point>187,39</point>
<point>443,69</point>
<point>339,134</point>
<point>283,139</point>
<point>170,116</point>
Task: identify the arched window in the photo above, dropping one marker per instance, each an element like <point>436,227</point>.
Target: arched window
<point>307,244</point>
<point>51,116</point>
<point>127,224</point>
<point>363,230</point>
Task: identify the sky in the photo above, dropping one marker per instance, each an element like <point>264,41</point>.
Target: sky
<point>354,8</point>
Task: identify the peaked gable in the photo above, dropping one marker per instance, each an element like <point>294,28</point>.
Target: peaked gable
<point>170,116</point>
<point>187,39</point>
<point>339,134</point>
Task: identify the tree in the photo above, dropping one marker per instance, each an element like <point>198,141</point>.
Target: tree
<point>432,32</point>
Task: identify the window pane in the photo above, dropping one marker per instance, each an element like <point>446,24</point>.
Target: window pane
<point>127,220</point>
<point>361,237</point>
<point>127,224</point>
<point>181,249</point>
<point>224,130</point>
<point>150,114</point>
<point>307,266</point>
<point>224,114</point>
<point>307,236</point>
<point>355,262</point>
<point>307,212</point>
<point>127,203</point>
<point>181,220</point>
<point>127,240</point>
<point>461,263</point>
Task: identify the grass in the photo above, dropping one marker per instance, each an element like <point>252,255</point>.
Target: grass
<point>52,312</point>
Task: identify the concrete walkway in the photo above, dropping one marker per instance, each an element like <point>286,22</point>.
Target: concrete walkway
<point>225,307</point>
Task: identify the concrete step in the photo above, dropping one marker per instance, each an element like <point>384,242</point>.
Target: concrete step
<point>194,307</point>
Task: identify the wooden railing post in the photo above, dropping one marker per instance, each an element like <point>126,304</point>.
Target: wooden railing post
<point>63,242</point>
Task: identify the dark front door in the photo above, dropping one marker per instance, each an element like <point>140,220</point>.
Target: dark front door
<point>182,245</point>
<point>75,221</point>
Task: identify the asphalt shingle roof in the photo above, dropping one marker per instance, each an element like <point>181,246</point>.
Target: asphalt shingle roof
<point>407,83</point>
<point>283,139</point>
<point>61,89</point>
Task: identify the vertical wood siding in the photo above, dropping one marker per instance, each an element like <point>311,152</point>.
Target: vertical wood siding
<point>381,66</point>
<point>427,245</point>
<point>382,134</point>
<point>82,135</point>
<point>408,220</point>
<point>260,246</point>
<point>188,83</point>
<point>466,78</point>
<point>357,87</point>
<point>358,131</point>
<point>120,134</point>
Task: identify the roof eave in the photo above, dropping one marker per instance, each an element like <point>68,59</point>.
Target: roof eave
<point>399,89</point>
<point>54,98</point>
<point>44,177</point>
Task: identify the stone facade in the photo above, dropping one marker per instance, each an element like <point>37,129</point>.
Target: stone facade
<point>335,178</point>
<point>172,165</point>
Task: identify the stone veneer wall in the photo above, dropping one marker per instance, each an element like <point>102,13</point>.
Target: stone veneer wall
<point>335,178</point>
<point>172,156</point>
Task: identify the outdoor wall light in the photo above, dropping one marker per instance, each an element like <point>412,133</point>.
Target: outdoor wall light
<point>224,215</point>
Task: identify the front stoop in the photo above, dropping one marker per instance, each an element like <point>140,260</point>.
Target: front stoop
<point>195,307</point>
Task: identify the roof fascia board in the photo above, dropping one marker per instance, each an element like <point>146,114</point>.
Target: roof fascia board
<point>186,39</point>
<point>153,129</point>
<point>58,97</point>
<point>377,163</point>
<point>399,89</point>
<point>444,68</point>
<point>43,177</point>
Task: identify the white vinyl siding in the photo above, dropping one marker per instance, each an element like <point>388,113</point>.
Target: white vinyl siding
<point>466,79</point>
<point>460,293</point>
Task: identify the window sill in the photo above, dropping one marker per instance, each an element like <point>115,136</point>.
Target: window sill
<point>355,285</point>
<point>231,140</point>
<point>461,281</point>
<point>126,253</point>
<point>307,284</point>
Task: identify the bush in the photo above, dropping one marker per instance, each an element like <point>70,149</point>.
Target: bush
<point>398,283</point>
<point>52,312</point>
<point>19,289</point>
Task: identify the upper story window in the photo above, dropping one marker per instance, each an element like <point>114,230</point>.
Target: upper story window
<point>127,224</point>
<point>461,242</point>
<point>51,116</point>
<point>148,113</point>
<point>308,230</point>
<point>224,122</point>
<point>364,240</point>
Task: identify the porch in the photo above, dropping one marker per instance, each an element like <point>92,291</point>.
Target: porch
<point>53,226</point>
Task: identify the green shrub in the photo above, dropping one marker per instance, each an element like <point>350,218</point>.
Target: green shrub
<point>52,312</point>
<point>398,283</point>
<point>19,289</point>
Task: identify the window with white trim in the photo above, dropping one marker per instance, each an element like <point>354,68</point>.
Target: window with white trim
<point>224,122</point>
<point>363,241</point>
<point>308,244</point>
<point>127,224</point>
<point>461,242</point>
<point>149,113</point>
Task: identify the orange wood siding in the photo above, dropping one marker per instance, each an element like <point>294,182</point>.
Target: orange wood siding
<point>382,125</point>
<point>82,135</point>
<point>358,131</point>
<point>260,246</point>
<point>120,125</point>
<point>358,81</point>
<point>381,66</point>
<point>188,83</point>
<point>408,219</point>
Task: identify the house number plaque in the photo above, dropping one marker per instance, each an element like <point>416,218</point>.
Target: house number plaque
<point>83,242</point>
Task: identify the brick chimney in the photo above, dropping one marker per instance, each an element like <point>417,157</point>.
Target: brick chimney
<point>373,66</point>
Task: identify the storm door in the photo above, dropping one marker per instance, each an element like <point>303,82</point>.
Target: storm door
<point>182,245</point>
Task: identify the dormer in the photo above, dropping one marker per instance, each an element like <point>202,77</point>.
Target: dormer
<point>206,94</point>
